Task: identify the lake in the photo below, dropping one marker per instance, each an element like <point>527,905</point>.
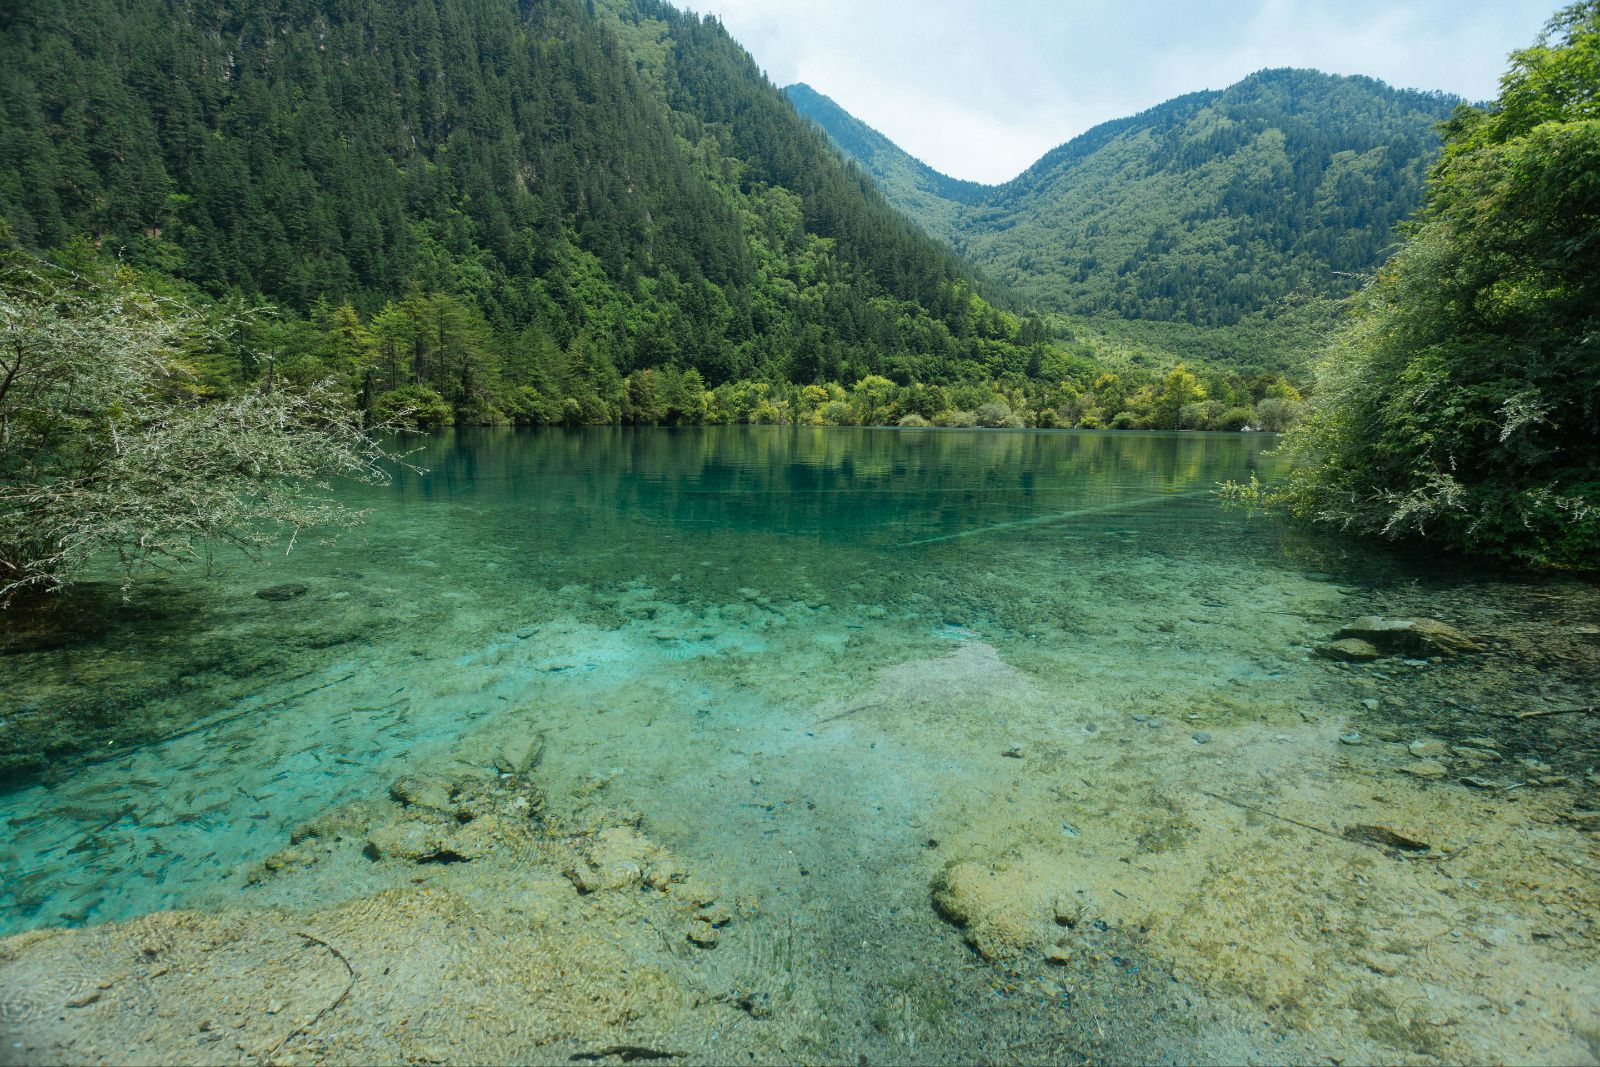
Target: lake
<point>927,704</point>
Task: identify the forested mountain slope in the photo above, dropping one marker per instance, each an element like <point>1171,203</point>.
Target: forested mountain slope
<point>575,209</point>
<point>1206,209</point>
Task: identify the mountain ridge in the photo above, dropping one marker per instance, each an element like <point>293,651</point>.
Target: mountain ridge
<point>870,147</point>
<point>1110,221</point>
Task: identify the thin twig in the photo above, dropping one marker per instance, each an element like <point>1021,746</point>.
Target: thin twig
<point>846,714</point>
<point>1274,815</point>
<point>306,1026</point>
<point>1555,711</point>
<point>1391,846</point>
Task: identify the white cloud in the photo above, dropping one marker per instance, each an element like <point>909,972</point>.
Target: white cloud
<point>981,90</point>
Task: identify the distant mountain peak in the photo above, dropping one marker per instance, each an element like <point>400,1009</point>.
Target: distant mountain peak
<point>881,157</point>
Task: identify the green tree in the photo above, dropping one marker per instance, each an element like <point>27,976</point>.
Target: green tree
<point>872,401</point>
<point>1179,389</point>
<point>646,402</point>
<point>1462,404</point>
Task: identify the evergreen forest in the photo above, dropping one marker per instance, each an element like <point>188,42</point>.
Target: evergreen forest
<point>557,212</point>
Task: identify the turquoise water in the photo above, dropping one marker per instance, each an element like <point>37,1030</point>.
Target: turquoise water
<point>711,621</point>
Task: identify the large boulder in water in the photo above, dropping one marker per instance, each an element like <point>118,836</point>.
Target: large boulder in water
<point>1414,637</point>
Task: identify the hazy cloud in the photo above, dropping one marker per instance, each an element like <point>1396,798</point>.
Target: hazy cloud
<point>981,90</point>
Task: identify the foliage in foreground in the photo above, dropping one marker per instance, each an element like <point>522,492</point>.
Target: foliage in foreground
<point>111,447</point>
<point>1463,402</point>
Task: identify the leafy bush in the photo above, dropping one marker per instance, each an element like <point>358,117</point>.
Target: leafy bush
<point>834,413</point>
<point>996,414</point>
<point>1275,415</point>
<point>1462,404</point>
<point>1232,419</point>
<point>414,407</point>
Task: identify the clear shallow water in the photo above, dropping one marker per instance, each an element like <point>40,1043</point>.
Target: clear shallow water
<point>707,617</point>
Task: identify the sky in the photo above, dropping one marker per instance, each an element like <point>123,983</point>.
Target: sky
<point>980,90</point>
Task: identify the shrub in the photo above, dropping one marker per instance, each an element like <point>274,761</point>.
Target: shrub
<point>111,452</point>
<point>1232,419</point>
<point>833,413</point>
<point>996,413</point>
<point>413,407</point>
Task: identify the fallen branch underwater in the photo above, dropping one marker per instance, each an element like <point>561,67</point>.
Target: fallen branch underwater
<point>1554,711</point>
<point>1045,520</point>
<point>1272,814</point>
<point>1379,837</point>
<point>305,1027</point>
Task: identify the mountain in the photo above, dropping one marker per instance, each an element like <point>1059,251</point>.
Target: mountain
<point>910,184</point>
<point>1206,209</point>
<point>510,192</point>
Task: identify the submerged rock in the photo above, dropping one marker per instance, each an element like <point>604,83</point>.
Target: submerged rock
<point>421,841</point>
<point>1427,769</point>
<point>986,904</point>
<point>1428,749</point>
<point>422,791</point>
<point>479,982</point>
<point>405,839</point>
<point>715,914</point>
<point>1416,637</point>
<point>952,892</point>
<point>1349,650</point>
<point>519,751</point>
<point>704,934</point>
<point>286,591</point>
<point>620,858</point>
<point>475,840</point>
